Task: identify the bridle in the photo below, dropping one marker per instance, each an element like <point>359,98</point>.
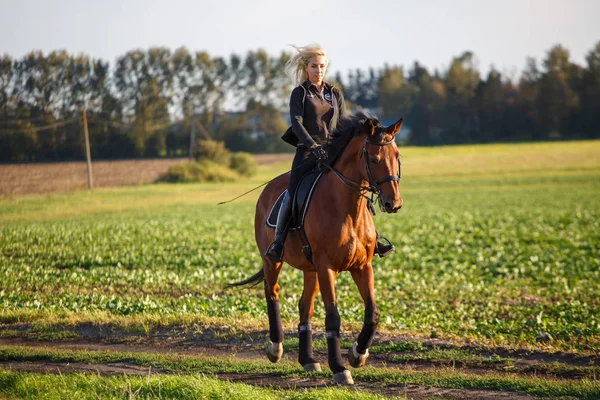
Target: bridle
<point>373,186</point>
<point>370,174</point>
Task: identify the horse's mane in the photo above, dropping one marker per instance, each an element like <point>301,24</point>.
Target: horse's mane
<point>347,129</point>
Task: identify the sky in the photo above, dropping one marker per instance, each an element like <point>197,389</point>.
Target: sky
<point>355,34</point>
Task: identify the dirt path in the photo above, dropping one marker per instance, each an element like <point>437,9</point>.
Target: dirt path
<point>243,352</point>
<point>220,339</point>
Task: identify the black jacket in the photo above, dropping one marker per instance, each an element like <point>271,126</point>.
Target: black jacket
<point>297,133</point>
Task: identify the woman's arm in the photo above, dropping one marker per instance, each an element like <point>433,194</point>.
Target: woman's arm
<point>297,117</point>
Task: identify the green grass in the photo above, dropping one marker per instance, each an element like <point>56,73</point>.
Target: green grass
<point>496,256</point>
<point>48,387</point>
<point>210,366</point>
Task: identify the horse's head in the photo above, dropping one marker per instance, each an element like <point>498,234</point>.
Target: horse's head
<point>382,162</point>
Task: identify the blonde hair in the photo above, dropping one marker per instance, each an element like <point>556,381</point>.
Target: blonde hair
<point>296,65</point>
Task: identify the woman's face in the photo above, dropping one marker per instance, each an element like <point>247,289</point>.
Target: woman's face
<point>316,69</point>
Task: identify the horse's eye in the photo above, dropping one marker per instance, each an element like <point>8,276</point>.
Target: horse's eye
<point>374,161</point>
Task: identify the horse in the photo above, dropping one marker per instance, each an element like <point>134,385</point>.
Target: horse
<point>339,226</point>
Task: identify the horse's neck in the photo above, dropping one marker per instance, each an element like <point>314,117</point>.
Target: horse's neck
<point>348,201</point>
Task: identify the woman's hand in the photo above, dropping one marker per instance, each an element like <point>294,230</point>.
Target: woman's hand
<point>318,152</point>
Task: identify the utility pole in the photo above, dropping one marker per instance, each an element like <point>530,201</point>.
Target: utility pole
<point>87,150</point>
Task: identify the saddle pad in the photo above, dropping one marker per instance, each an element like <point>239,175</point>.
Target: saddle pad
<point>302,202</point>
<point>272,217</point>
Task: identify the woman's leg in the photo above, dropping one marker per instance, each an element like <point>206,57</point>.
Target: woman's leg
<point>302,164</point>
<point>275,250</point>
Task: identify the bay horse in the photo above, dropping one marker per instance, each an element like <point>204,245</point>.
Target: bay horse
<point>340,229</point>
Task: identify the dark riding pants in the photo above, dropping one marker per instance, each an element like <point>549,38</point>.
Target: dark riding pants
<point>303,163</point>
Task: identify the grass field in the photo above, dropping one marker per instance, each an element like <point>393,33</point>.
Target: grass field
<point>492,291</point>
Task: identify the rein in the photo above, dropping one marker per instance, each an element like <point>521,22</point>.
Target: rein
<point>373,187</point>
<point>263,184</point>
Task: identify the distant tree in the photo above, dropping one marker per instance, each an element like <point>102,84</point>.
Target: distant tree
<point>426,117</point>
<point>491,101</point>
<point>396,95</point>
<point>514,126</point>
<point>193,94</point>
<point>529,88</point>
<point>7,121</point>
<point>555,100</point>
<point>264,80</point>
<point>590,94</point>
<point>144,81</point>
<point>461,81</point>
<point>362,89</point>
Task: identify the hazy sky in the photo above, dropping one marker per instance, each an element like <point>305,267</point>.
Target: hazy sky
<point>356,34</point>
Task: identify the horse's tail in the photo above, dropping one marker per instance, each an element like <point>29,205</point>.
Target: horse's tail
<point>252,281</point>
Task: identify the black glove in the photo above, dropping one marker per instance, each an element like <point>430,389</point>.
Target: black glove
<point>318,152</point>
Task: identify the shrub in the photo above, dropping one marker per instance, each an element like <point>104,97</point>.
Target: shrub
<point>202,171</point>
<point>212,150</point>
<point>243,163</point>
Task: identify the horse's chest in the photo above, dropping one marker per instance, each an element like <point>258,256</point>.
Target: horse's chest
<point>357,249</point>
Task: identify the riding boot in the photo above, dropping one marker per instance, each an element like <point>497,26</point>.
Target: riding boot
<point>383,249</point>
<point>275,250</point>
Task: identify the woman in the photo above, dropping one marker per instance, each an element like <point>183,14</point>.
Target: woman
<point>315,109</point>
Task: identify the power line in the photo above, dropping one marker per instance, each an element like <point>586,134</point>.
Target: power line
<point>13,119</point>
<point>40,128</point>
<point>119,124</point>
<point>36,129</point>
<point>150,125</point>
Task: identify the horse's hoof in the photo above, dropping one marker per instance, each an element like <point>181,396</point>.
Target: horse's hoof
<point>274,351</point>
<point>343,378</point>
<point>356,359</point>
<point>312,367</point>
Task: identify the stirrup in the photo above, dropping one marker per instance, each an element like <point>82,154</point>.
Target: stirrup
<point>382,249</point>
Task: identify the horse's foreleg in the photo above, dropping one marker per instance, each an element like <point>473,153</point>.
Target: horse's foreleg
<point>306,309</point>
<point>332,326</point>
<point>359,352</point>
<point>275,346</point>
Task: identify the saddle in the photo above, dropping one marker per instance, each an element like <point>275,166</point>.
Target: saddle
<point>300,204</point>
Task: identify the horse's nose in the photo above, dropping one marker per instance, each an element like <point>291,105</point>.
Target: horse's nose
<point>389,208</point>
<point>390,205</point>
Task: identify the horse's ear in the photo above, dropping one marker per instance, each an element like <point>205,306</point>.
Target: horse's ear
<point>395,128</point>
<point>369,127</point>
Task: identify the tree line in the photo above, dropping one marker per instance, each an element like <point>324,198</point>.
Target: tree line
<point>147,104</point>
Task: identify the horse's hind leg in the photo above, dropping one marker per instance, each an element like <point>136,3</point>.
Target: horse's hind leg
<point>357,355</point>
<point>306,309</point>
<point>275,346</point>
